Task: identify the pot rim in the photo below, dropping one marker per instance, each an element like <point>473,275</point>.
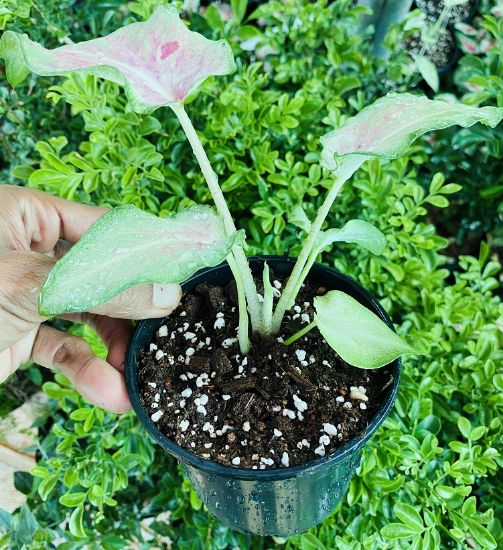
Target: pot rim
<point>214,468</point>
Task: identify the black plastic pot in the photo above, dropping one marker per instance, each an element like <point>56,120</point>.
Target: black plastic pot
<point>267,502</point>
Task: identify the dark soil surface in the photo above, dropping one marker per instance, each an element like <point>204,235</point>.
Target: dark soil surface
<point>280,406</point>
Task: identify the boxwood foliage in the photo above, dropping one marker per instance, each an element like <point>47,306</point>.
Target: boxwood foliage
<point>431,476</point>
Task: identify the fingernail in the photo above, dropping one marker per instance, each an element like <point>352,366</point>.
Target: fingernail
<point>166,296</point>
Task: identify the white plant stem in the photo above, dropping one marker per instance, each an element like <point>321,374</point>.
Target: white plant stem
<point>241,262</point>
<point>298,274</point>
<point>243,334</point>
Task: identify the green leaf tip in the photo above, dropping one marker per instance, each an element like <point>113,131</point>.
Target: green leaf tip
<point>390,125</point>
<point>159,61</point>
<point>358,335</point>
<point>127,247</point>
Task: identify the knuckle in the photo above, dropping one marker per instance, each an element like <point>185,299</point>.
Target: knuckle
<point>69,349</point>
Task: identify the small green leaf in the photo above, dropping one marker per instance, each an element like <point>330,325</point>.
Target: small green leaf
<point>127,247</point>
<point>354,231</point>
<point>81,414</point>
<point>359,336</point>
<point>72,499</point>
<point>438,200</point>
<point>47,485</point>
<point>464,426</point>
<point>76,522</point>
<point>397,531</point>
<point>409,516</point>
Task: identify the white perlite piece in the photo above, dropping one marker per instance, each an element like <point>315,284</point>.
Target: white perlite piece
<point>347,405</point>
<point>159,355</point>
<point>219,323</point>
<point>285,460</point>
<point>303,443</point>
<point>305,318</point>
<point>340,399</point>
<point>246,427</point>
<point>324,440</point>
<point>208,445</point>
<point>320,450</point>
<point>163,331</point>
<point>301,354</point>
<point>201,400</point>
<point>226,397</point>
<point>227,343</point>
<point>330,429</point>
<point>277,433</point>
<point>156,416</point>
<point>289,413</point>
<point>187,392</point>
<point>153,347</point>
<point>300,405</point>
<point>152,384</point>
<point>276,284</point>
<point>297,309</point>
<point>363,406</point>
<point>201,380</point>
<point>357,394</point>
<point>189,335</point>
<point>184,424</point>
<point>236,461</point>
<point>267,461</point>
<point>201,409</point>
<point>189,352</point>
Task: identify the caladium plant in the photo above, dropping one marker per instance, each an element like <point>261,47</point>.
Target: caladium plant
<point>159,63</point>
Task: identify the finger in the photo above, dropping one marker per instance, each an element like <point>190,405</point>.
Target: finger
<point>34,220</point>
<point>142,302</point>
<point>22,275</point>
<point>96,380</point>
<point>115,333</point>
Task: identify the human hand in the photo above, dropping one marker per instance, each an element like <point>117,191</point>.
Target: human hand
<point>31,226</point>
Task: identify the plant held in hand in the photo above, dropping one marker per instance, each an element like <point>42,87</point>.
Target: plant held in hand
<point>160,62</point>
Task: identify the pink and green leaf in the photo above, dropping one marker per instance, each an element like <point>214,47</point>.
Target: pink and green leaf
<point>388,127</point>
<point>159,62</point>
<point>127,247</point>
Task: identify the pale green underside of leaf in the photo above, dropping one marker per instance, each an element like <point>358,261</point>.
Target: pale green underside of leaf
<point>354,231</point>
<point>127,247</point>
<point>359,336</point>
<point>298,217</point>
<point>388,127</point>
<point>159,61</point>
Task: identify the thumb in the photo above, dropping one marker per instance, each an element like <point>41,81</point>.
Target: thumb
<point>142,302</point>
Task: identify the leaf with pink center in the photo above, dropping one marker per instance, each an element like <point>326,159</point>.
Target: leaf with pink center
<point>388,127</point>
<point>159,62</point>
<point>128,247</point>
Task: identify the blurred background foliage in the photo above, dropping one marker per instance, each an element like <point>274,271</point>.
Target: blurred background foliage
<point>431,477</point>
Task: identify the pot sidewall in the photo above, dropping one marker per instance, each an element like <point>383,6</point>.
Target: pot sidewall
<point>278,502</point>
